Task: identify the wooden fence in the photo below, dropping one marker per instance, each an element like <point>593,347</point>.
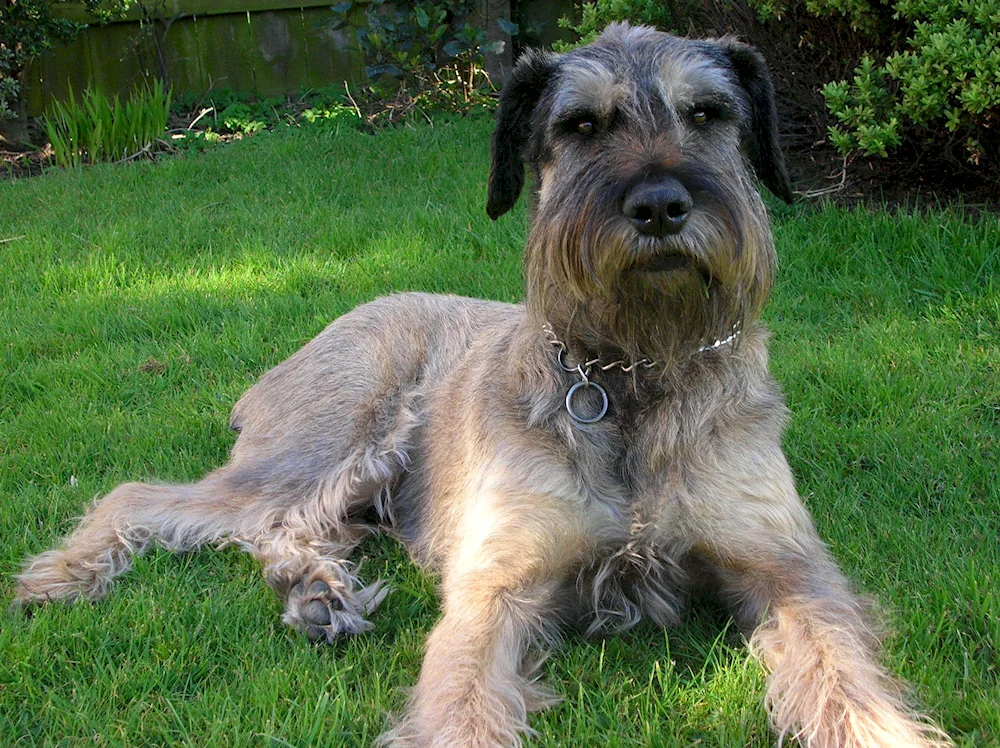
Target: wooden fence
<point>270,47</point>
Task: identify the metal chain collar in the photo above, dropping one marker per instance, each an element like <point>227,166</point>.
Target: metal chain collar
<point>585,369</point>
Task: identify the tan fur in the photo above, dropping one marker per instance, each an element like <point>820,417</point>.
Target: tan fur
<point>443,422</point>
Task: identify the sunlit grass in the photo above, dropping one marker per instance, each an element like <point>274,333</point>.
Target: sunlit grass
<point>142,300</point>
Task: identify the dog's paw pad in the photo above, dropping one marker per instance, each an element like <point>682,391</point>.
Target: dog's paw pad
<point>321,634</point>
<point>321,590</point>
<point>325,612</point>
<point>315,612</point>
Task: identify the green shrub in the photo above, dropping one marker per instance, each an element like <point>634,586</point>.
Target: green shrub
<point>943,78</point>
<point>27,29</point>
<point>931,74</point>
<point>860,14</point>
<point>594,16</point>
<point>10,87</point>
<point>862,107</point>
<point>224,115</point>
<point>428,52</point>
<point>98,129</point>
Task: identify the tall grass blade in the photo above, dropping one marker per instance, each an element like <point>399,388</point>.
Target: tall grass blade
<point>104,129</point>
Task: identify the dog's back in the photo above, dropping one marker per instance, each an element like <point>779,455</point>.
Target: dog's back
<point>347,380</point>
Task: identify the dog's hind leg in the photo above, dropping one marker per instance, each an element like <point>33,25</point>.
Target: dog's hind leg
<point>304,550</point>
<point>125,523</point>
<point>323,438</point>
<point>298,515</point>
<point>278,504</point>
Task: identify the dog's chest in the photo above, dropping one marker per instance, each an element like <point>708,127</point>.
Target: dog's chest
<point>635,488</point>
<point>629,462</point>
<point>636,567</point>
<point>623,584</point>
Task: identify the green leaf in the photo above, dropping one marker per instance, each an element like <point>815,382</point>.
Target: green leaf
<point>494,47</point>
<point>454,48</point>
<point>374,71</point>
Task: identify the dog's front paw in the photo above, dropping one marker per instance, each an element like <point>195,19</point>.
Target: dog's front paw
<point>325,610</point>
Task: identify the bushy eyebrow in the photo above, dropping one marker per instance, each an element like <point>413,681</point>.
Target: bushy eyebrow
<point>721,102</point>
<point>589,86</point>
<point>605,87</point>
<point>693,80</point>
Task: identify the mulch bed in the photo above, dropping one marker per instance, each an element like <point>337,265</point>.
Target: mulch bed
<point>22,162</point>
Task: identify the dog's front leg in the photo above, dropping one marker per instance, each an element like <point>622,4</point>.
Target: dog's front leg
<point>499,594</point>
<point>826,687</point>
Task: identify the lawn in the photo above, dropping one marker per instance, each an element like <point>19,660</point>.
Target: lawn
<point>139,301</point>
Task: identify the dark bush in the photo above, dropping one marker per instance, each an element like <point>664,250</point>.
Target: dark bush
<point>27,29</point>
<point>930,75</point>
<point>429,52</point>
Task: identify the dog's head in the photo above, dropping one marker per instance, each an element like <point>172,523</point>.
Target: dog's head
<point>648,230</point>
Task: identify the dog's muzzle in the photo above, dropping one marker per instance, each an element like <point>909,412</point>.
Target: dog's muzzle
<point>658,208</point>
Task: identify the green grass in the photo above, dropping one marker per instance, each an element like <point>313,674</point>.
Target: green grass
<point>140,301</point>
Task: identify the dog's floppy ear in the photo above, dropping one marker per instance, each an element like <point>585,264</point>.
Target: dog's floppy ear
<point>517,104</point>
<point>763,148</point>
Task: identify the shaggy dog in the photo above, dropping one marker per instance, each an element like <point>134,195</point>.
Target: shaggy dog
<point>580,460</point>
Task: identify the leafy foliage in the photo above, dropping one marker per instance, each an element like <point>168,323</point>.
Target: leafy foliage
<point>10,88</point>
<point>28,28</point>
<point>860,14</point>
<point>98,129</point>
<point>429,49</point>
<point>594,16</point>
<point>936,78</point>
<point>224,116</point>
<point>859,106</point>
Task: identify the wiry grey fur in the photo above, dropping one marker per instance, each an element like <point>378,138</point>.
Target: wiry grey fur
<point>442,420</point>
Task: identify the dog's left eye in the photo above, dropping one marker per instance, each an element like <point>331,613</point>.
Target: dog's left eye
<point>579,123</point>
<point>707,113</point>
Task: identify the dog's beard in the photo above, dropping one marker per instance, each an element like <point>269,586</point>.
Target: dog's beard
<point>604,286</point>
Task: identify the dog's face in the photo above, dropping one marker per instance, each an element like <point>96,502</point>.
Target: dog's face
<point>648,230</point>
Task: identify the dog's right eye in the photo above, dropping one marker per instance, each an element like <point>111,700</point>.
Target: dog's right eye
<point>584,124</point>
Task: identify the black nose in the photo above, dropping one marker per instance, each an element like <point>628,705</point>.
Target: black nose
<point>658,208</point>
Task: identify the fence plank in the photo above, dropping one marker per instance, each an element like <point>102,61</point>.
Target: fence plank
<point>274,51</point>
<point>223,45</point>
<point>85,62</point>
<point>333,58</point>
<point>185,57</point>
<point>45,81</point>
<point>269,47</point>
<point>75,11</point>
<point>267,53</point>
